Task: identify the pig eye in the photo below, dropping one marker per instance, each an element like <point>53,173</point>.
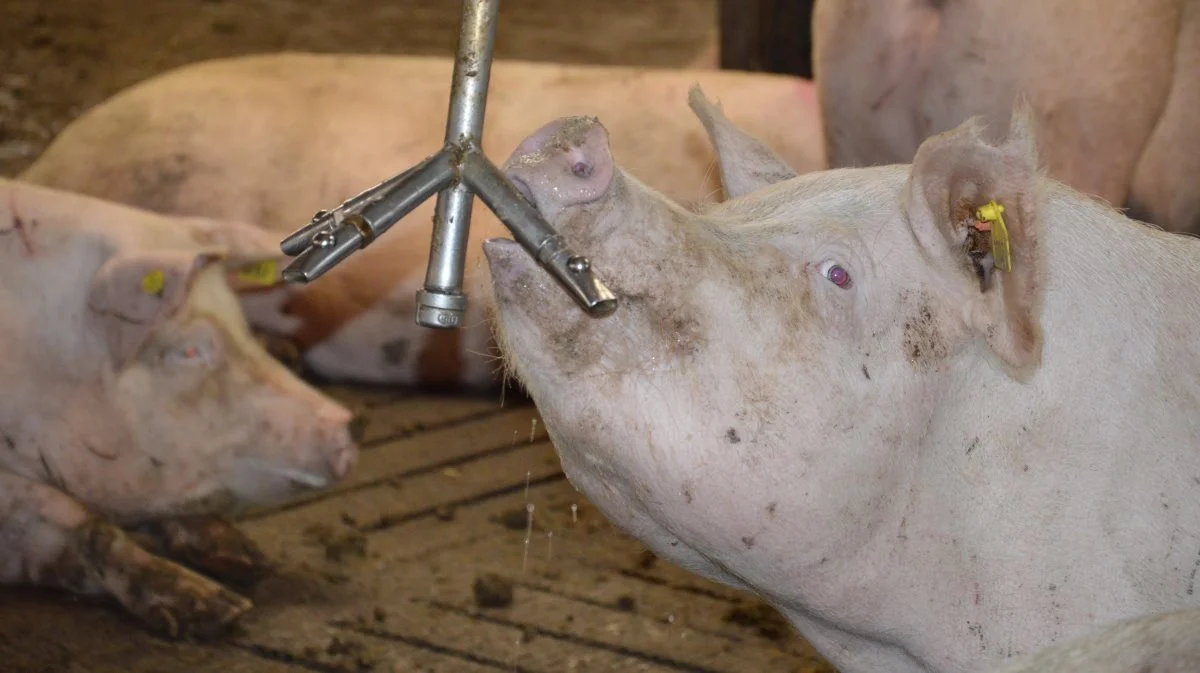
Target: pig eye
<point>192,355</point>
<point>836,274</point>
<point>199,349</point>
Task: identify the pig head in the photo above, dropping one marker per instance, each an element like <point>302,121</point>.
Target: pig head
<point>139,388</point>
<point>139,409</point>
<point>828,391</point>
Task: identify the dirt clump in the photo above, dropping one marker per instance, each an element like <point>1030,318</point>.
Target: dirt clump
<point>761,617</point>
<point>493,591</point>
<point>337,544</point>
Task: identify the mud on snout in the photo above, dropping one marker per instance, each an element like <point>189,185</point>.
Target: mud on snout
<point>633,238</point>
<point>563,169</point>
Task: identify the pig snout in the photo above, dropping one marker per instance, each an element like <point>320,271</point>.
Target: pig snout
<point>335,427</point>
<point>316,447</point>
<point>563,164</point>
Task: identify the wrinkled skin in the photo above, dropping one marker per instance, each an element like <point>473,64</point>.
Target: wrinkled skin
<point>1168,643</point>
<point>1116,91</point>
<point>271,139</point>
<point>140,412</point>
<point>812,391</point>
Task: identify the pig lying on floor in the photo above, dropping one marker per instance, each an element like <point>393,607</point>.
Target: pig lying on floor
<point>136,399</point>
<point>828,391</point>
<point>1116,91</point>
<point>272,139</point>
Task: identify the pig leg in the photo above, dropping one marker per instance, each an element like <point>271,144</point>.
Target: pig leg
<point>48,539</point>
<point>207,544</point>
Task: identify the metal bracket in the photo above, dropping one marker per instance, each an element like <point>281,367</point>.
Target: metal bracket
<point>456,173</point>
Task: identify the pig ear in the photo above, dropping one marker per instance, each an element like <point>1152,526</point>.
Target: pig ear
<point>747,164</point>
<point>253,259</point>
<point>955,175</point>
<point>133,293</point>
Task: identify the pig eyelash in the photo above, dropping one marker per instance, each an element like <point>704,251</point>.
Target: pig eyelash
<point>837,274</point>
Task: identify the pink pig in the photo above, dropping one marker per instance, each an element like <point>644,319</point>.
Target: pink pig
<point>269,139</point>
<point>137,399</point>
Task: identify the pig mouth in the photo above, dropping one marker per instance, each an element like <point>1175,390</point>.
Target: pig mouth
<point>297,478</point>
<point>523,188</point>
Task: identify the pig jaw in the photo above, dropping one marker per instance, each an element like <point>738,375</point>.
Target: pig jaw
<point>223,424</point>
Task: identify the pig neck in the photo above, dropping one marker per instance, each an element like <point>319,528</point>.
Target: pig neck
<point>1118,302</point>
<point>54,320</point>
<point>1067,493</point>
<point>59,383</point>
<point>1117,315</point>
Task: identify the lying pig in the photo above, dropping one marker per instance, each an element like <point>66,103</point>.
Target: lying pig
<point>1168,643</point>
<point>928,453</point>
<point>271,139</point>
<point>138,401</point>
<point>1116,92</point>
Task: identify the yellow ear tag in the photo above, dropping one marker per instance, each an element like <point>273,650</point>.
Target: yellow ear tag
<point>154,282</point>
<point>262,273</point>
<point>993,213</point>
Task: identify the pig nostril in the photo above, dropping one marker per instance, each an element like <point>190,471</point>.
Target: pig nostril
<point>582,169</point>
<point>523,188</point>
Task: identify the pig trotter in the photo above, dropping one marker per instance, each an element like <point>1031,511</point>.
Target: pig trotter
<point>208,545</point>
<point>170,599</point>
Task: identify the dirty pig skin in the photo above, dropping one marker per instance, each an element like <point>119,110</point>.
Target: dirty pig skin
<point>270,139</point>
<point>1115,92</point>
<point>139,410</point>
<point>927,456</point>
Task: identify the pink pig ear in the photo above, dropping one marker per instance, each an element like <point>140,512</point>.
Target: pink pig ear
<point>252,257</point>
<point>974,206</point>
<point>746,163</point>
<point>133,293</point>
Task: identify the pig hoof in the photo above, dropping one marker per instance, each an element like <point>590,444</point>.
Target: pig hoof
<point>211,546</point>
<point>170,599</point>
<point>182,606</point>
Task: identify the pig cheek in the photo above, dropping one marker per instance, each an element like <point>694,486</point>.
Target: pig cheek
<point>178,430</point>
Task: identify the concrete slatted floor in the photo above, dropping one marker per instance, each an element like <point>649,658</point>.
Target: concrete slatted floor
<point>380,574</point>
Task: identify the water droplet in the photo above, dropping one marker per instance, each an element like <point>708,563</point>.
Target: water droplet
<point>528,534</point>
